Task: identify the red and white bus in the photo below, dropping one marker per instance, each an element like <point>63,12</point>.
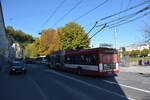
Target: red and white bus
<point>95,61</point>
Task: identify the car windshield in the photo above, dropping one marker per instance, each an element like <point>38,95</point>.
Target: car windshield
<point>18,66</point>
<point>16,63</point>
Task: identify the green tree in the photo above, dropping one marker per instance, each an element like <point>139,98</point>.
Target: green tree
<point>28,51</point>
<point>123,49</point>
<point>18,36</point>
<point>32,50</point>
<point>125,53</point>
<point>145,52</point>
<point>135,53</point>
<point>73,37</point>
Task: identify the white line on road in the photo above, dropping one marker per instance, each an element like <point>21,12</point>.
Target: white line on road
<point>146,91</point>
<point>91,85</point>
<point>134,81</point>
<point>39,89</point>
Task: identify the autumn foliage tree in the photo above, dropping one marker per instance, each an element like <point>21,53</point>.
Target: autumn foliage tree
<point>70,37</point>
<point>46,41</point>
<point>56,40</point>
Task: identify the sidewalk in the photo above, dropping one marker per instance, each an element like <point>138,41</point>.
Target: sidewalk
<point>135,69</point>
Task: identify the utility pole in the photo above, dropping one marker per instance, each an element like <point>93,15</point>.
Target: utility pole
<point>116,41</point>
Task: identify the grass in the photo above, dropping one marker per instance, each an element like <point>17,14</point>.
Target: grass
<point>133,59</point>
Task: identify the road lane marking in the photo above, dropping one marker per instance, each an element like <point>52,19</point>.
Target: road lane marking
<point>91,85</point>
<point>146,91</point>
<point>38,88</point>
<point>146,83</point>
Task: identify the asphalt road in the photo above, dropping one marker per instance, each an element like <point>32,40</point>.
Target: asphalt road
<point>41,83</point>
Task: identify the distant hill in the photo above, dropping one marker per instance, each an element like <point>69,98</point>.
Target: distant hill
<point>18,36</point>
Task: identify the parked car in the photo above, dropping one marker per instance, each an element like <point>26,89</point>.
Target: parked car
<point>28,61</point>
<point>44,62</point>
<point>17,67</point>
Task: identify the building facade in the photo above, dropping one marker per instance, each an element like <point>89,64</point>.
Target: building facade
<point>3,38</point>
<point>137,47</point>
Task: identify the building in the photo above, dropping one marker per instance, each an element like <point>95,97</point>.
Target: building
<point>137,47</point>
<point>3,41</point>
<point>3,38</point>
<point>16,50</point>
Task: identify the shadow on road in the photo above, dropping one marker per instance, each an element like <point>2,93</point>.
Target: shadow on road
<point>60,87</point>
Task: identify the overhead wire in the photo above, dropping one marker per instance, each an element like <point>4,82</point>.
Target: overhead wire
<point>129,2</point>
<point>90,30</point>
<point>126,17</point>
<point>74,7</point>
<point>122,11</point>
<point>104,26</point>
<point>138,5</point>
<point>54,12</point>
<point>90,10</point>
<point>119,24</point>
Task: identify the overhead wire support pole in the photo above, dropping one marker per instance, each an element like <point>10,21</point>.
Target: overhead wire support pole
<point>116,40</point>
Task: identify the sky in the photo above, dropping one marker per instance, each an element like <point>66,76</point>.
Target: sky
<point>31,16</point>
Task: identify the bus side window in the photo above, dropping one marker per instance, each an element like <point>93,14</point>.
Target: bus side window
<point>90,59</point>
<point>94,59</point>
<point>77,59</point>
<point>67,59</point>
<point>83,61</point>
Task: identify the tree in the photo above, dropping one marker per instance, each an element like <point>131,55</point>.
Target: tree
<point>46,41</point>
<point>145,52</point>
<point>135,53</point>
<point>73,37</point>
<point>56,44</point>
<point>18,36</point>
<point>32,50</point>
<point>123,49</point>
<point>28,51</point>
<point>125,54</point>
